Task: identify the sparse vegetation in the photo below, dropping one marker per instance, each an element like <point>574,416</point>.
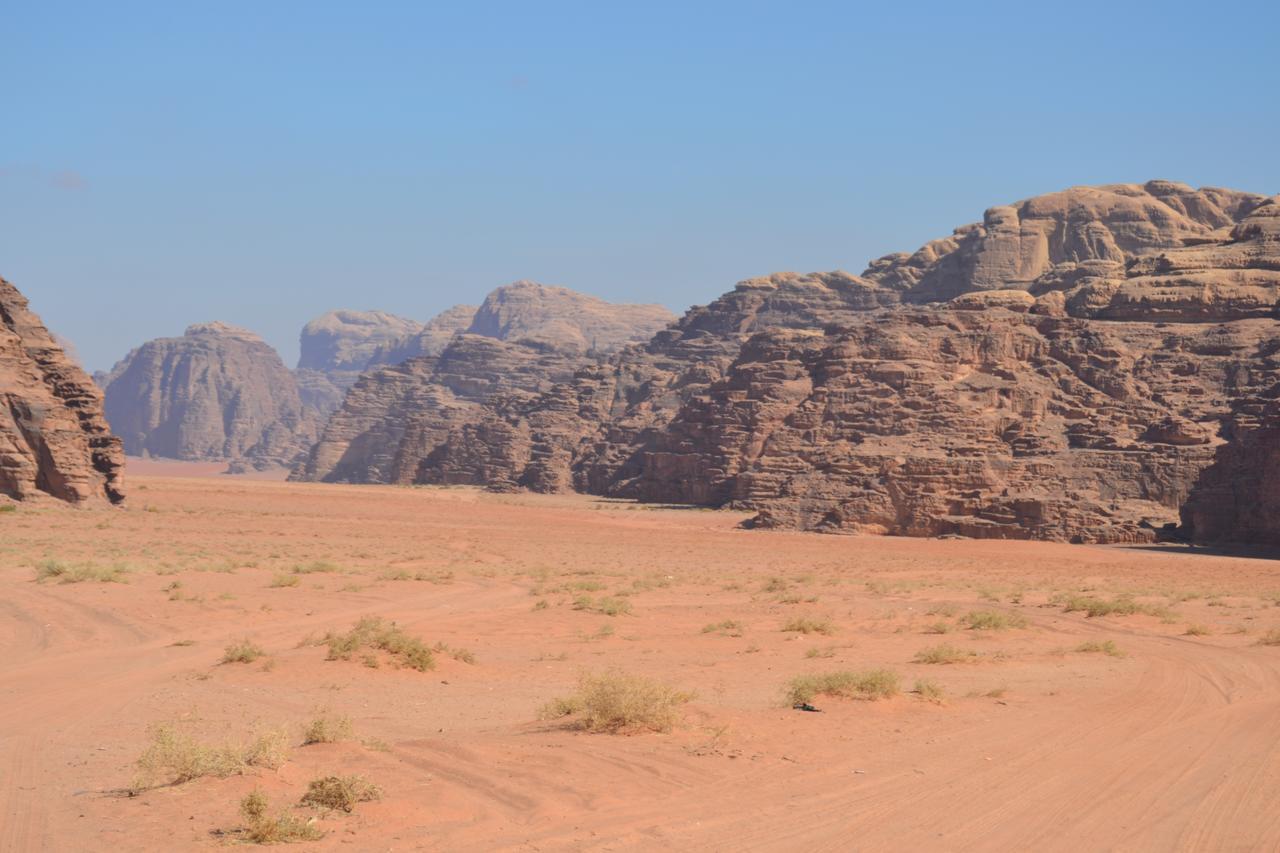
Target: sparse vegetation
<point>316,567</point>
<point>371,633</point>
<point>825,652</point>
<point>1105,647</point>
<point>727,628</point>
<point>1196,630</point>
<point>174,757</point>
<point>328,728</point>
<point>943,654</point>
<point>283,579</point>
<point>993,620</point>
<point>871,684</point>
<point>340,793</point>
<point>245,651</point>
<point>809,625</point>
<point>608,605</point>
<point>1271,638</point>
<point>615,702</point>
<point>929,690</point>
<point>1123,605</point>
<point>939,628</point>
<point>283,828</point>
<point>80,572</point>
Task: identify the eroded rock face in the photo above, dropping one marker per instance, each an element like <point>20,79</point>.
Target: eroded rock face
<point>1237,498</point>
<point>337,347</point>
<point>523,340</point>
<point>54,439</point>
<point>216,393</point>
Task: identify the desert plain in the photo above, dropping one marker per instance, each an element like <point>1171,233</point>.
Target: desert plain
<point>1027,695</point>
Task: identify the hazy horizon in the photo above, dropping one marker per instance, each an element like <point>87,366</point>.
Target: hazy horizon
<point>261,166</point>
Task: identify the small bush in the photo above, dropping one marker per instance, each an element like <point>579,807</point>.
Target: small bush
<point>173,757</point>
<point>928,690</point>
<point>728,628</point>
<point>328,728</point>
<point>1107,647</point>
<point>80,572</point>
<point>827,652</point>
<point>1197,630</point>
<point>809,625</point>
<point>614,702</point>
<point>1123,605</point>
<point>283,828</point>
<point>8,508</point>
<point>993,620</point>
<point>943,654</point>
<point>284,580</point>
<point>947,610</point>
<point>1271,638</point>
<point>939,628</point>
<point>244,651</point>
<point>608,605</point>
<point>872,684</point>
<point>316,567</point>
<point>340,793</point>
<point>371,632</point>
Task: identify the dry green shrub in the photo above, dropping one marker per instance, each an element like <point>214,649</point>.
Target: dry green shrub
<point>615,702</point>
<point>1122,605</point>
<point>809,625</point>
<point>80,572</point>
<point>1197,630</point>
<point>1105,647</point>
<point>283,828</point>
<point>328,728</point>
<point>283,579</point>
<point>174,757</point>
<point>340,793</point>
<point>871,684</point>
<point>245,651</point>
<point>726,628</point>
<point>993,620</point>
<point>929,690</point>
<point>943,654</point>
<point>372,632</point>
<point>608,605</point>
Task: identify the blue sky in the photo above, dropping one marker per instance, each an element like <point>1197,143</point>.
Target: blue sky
<point>260,163</point>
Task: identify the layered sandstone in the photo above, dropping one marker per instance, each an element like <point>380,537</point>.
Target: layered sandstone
<point>216,393</point>
<point>54,439</point>
<point>1237,498</point>
<point>335,348</point>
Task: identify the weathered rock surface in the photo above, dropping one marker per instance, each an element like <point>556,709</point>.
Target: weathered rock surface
<point>54,439</point>
<point>218,392</point>
<point>431,339</point>
<point>337,347</point>
<point>1237,498</point>
<point>523,340</point>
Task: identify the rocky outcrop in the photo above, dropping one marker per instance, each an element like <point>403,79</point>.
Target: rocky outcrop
<point>54,439</point>
<point>216,393</point>
<point>337,347</point>
<point>523,340</point>
<point>1237,498</point>
<point>431,339</point>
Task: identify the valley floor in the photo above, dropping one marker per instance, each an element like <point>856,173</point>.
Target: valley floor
<point>1054,730</point>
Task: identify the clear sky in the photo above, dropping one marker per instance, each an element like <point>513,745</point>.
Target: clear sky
<point>262,162</point>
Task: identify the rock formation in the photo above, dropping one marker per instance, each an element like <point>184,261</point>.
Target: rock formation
<point>218,392</point>
<point>54,439</point>
<point>1237,498</point>
<point>1063,370</point>
<point>337,347</point>
<point>523,339</point>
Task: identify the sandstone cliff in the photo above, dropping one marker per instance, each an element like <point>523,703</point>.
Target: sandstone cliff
<point>54,439</point>
<point>218,392</point>
<point>335,348</point>
<point>1063,370</point>
<point>1237,498</point>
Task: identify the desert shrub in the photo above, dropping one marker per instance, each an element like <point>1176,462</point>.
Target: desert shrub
<point>244,651</point>
<point>283,828</point>
<point>316,567</point>
<point>8,508</point>
<point>942,610</point>
<point>456,652</point>
<point>80,572</point>
<point>809,625</point>
<point>943,654</point>
<point>608,605</point>
<point>340,793</point>
<point>871,684</point>
<point>1106,647</point>
<point>615,702</point>
<point>1122,605</point>
<point>173,757</point>
<point>327,728</point>
<point>928,690</point>
<point>776,585</point>
<point>1271,638</point>
<point>283,579</point>
<point>372,632</point>
<point>728,628</point>
<point>939,628</point>
<point>993,620</point>
<point>1197,630</point>
<point>827,652</point>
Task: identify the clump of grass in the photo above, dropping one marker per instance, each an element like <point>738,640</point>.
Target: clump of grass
<point>283,828</point>
<point>1271,638</point>
<point>1122,605</point>
<point>1106,647</point>
<point>316,567</point>
<point>939,628</point>
<point>283,579</point>
<point>340,793</point>
<point>993,620</point>
<point>614,702</point>
<point>80,572</point>
<point>372,632</point>
<point>809,625</point>
<point>456,652</point>
<point>928,690</point>
<point>608,605</point>
<point>776,585</point>
<point>1197,630</point>
<point>871,684</point>
<point>245,651</point>
<point>180,643</point>
<point>8,508</point>
<point>943,654</point>
<point>947,610</point>
<point>827,652</point>
<point>173,757</point>
<point>328,728</point>
<point>541,604</point>
<point>727,628</point>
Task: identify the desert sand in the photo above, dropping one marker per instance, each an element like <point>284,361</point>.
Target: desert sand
<point>1169,742</point>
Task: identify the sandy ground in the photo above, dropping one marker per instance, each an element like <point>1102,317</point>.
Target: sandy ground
<point>1173,744</point>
